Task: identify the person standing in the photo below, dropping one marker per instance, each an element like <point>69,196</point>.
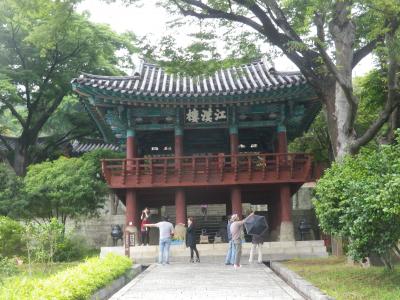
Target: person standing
<point>144,230</point>
<point>191,240</point>
<point>166,232</point>
<point>230,256</point>
<point>256,242</point>
<point>204,208</point>
<point>236,229</point>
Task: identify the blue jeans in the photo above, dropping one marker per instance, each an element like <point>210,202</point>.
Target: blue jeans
<point>230,256</point>
<point>163,255</point>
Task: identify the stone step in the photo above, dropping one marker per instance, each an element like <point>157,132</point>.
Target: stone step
<point>271,251</point>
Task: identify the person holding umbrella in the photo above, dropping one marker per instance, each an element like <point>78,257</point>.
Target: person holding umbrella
<point>256,226</point>
<point>236,228</point>
<point>257,241</point>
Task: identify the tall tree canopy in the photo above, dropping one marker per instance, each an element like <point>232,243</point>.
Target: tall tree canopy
<point>43,44</point>
<point>326,40</point>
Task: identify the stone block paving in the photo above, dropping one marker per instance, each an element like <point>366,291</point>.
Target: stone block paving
<point>207,281</point>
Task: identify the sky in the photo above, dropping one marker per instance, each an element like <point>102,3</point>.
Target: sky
<point>152,21</point>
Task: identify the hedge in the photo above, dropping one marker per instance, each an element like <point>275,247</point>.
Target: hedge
<point>79,282</point>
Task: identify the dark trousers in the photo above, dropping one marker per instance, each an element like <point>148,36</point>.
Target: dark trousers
<point>145,237</point>
<point>193,249</point>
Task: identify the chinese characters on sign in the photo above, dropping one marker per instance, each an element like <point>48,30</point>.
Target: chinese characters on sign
<point>194,115</point>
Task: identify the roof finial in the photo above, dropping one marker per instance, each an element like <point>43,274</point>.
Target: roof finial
<point>269,65</point>
<point>139,67</point>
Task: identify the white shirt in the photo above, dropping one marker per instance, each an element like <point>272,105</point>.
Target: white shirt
<point>166,228</point>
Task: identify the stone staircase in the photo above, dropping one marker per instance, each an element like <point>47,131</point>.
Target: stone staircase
<point>210,226</point>
<point>274,251</point>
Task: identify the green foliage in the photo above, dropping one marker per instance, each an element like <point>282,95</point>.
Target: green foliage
<point>72,248</point>
<point>66,187</point>
<point>42,240</point>
<point>372,92</point>
<point>360,199</point>
<point>202,56</point>
<point>94,158</point>
<point>79,282</point>
<point>10,186</point>
<point>11,243</point>
<point>315,141</point>
<point>44,44</point>
<point>8,267</point>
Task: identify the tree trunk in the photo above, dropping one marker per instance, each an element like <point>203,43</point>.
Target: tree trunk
<point>343,33</point>
<point>21,158</point>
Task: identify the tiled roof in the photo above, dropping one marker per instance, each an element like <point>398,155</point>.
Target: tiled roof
<point>152,80</point>
<point>81,147</point>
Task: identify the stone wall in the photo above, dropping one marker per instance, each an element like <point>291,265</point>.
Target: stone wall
<point>97,231</point>
<point>304,209</point>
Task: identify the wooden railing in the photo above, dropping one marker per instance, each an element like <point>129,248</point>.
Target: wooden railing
<point>207,170</point>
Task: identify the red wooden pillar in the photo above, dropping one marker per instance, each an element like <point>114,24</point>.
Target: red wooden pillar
<point>130,144</point>
<point>285,204</point>
<point>131,215</point>
<point>281,140</point>
<point>178,146</point>
<point>285,211</point>
<point>234,143</point>
<point>236,200</point>
<point>234,140</point>
<point>180,206</point>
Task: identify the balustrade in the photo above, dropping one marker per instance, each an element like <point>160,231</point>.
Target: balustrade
<point>207,170</point>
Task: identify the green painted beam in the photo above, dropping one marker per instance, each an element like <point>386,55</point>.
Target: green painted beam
<point>254,124</point>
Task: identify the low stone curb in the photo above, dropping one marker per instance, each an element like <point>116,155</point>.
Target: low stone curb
<point>298,283</point>
<point>121,293</point>
<point>113,287</point>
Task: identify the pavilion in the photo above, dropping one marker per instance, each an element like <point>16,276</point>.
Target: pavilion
<point>220,138</point>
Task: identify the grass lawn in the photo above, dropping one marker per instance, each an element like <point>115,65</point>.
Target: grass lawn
<point>342,281</point>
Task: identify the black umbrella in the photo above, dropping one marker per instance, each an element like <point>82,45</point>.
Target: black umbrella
<point>256,225</point>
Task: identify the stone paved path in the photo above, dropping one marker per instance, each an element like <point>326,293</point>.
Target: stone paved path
<point>206,281</point>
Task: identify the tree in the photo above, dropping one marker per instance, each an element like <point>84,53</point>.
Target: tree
<point>10,186</point>
<point>359,199</point>
<point>200,57</point>
<point>43,45</point>
<point>371,90</point>
<point>326,40</point>
<point>63,188</point>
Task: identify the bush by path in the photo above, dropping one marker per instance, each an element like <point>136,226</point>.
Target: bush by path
<point>78,282</point>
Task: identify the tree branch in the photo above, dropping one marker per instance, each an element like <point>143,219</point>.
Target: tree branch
<point>280,19</point>
<point>216,14</point>
<point>14,112</point>
<point>6,144</point>
<point>319,21</point>
<point>364,51</point>
<point>306,63</point>
<point>45,116</point>
<point>393,97</point>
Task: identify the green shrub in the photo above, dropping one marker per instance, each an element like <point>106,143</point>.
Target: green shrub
<point>11,241</point>
<point>73,248</point>
<point>8,267</point>
<point>42,240</point>
<point>79,282</point>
